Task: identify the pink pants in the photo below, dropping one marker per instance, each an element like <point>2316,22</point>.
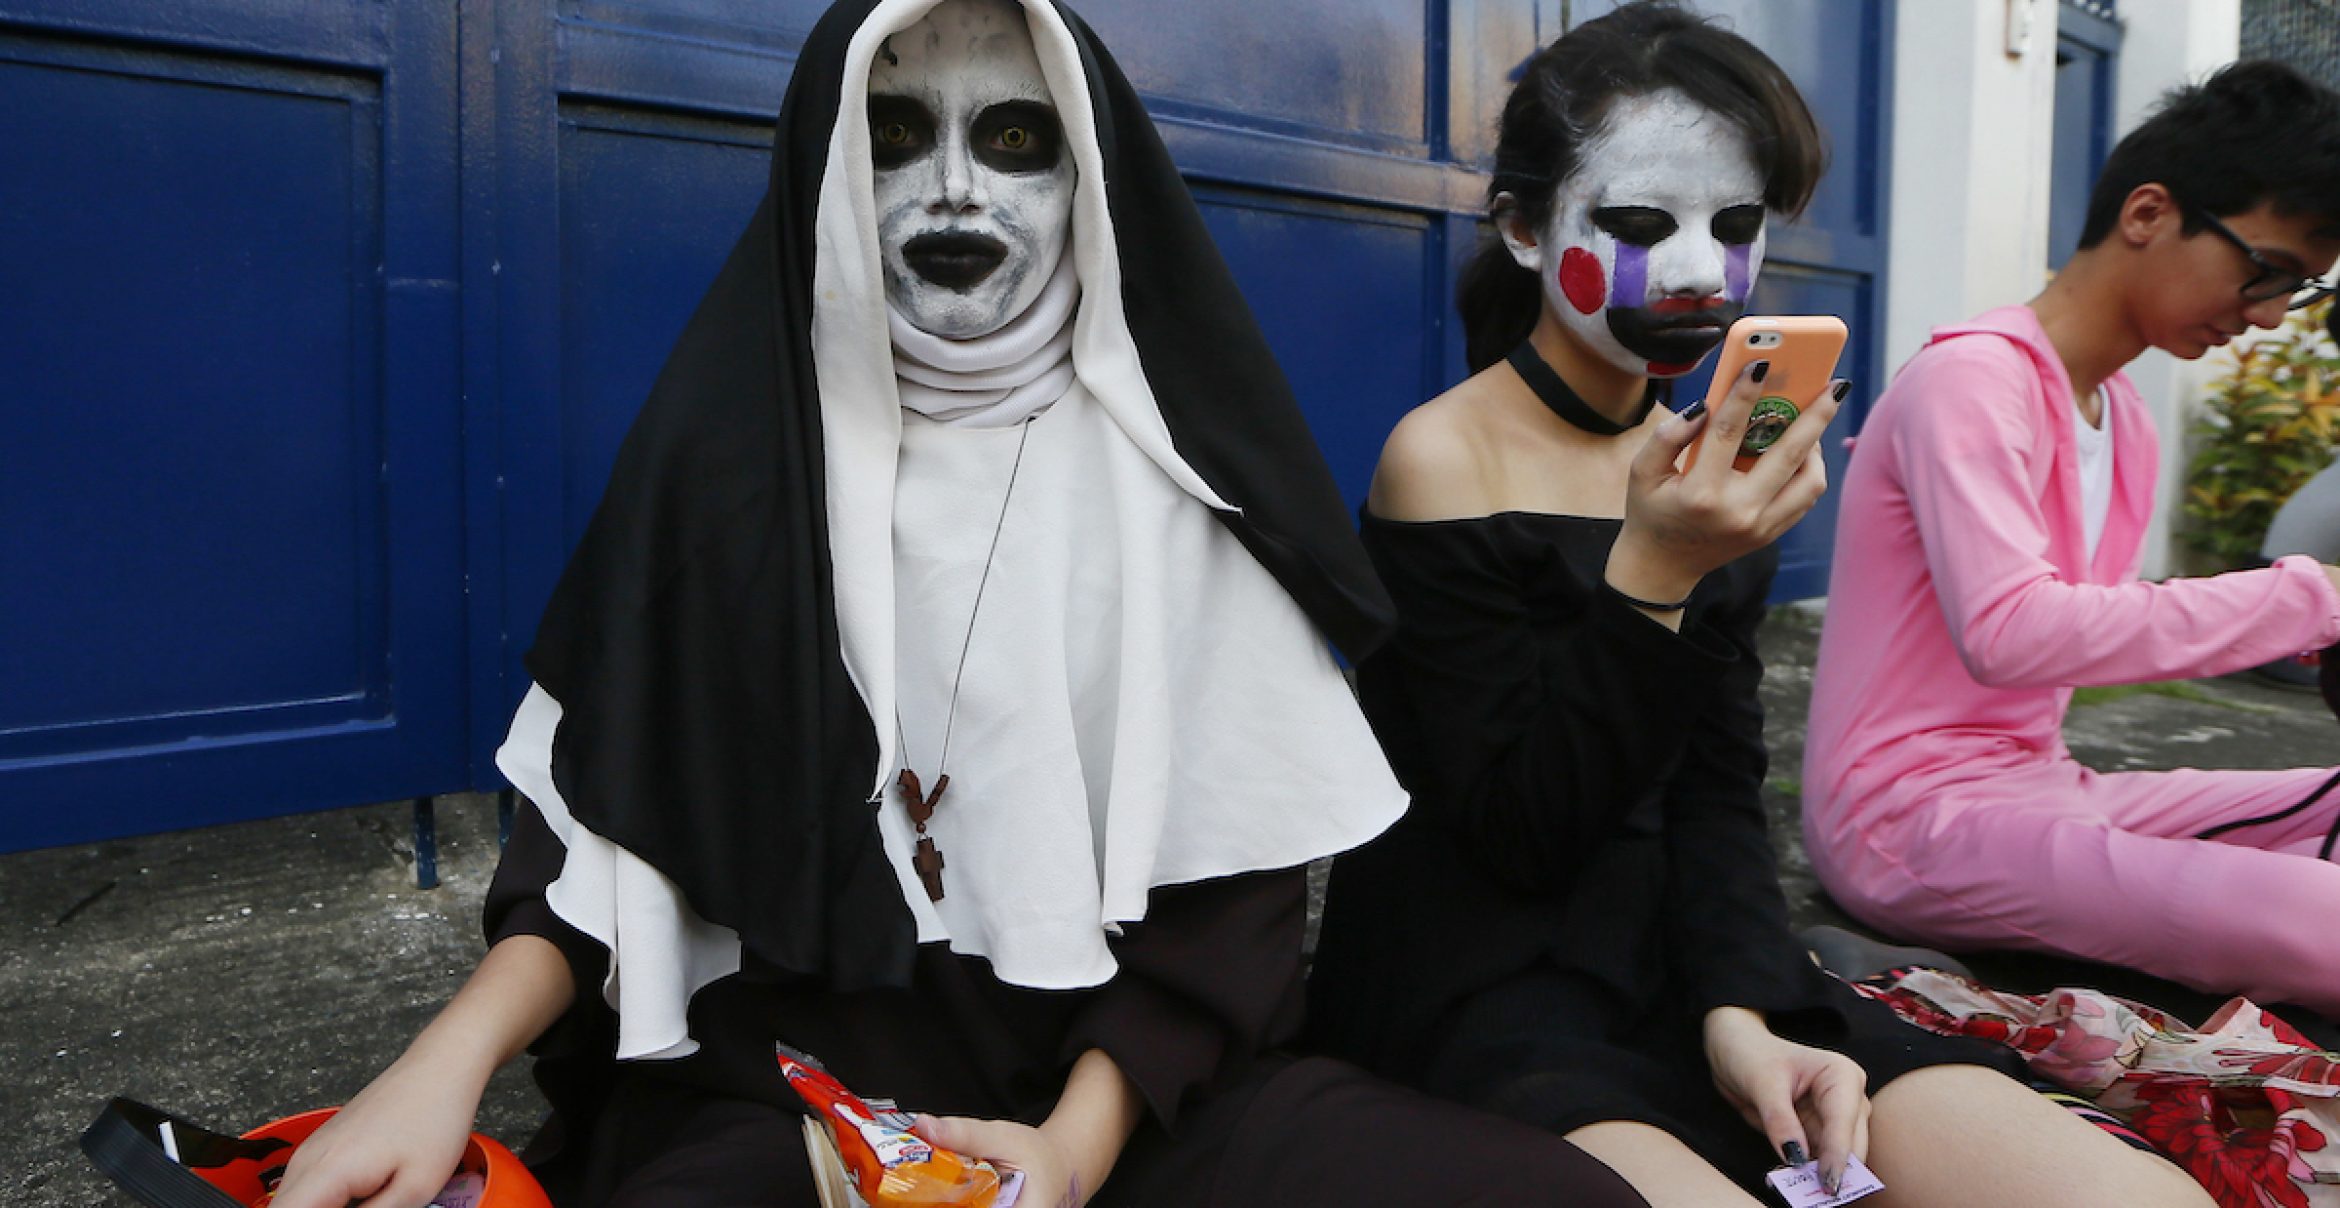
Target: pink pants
<point>2115,868</point>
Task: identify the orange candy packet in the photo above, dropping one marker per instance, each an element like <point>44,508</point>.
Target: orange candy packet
<point>891,1166</point>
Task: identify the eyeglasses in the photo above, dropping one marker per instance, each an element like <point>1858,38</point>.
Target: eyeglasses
<point>2272,280</point>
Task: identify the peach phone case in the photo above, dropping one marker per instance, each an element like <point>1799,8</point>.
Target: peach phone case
<point>1802,350</point>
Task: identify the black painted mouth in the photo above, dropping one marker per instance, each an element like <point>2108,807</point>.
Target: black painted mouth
<point>1679,338</point>
<point>955,260</point>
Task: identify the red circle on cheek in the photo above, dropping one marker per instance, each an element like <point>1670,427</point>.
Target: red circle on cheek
<point>1581,281</point>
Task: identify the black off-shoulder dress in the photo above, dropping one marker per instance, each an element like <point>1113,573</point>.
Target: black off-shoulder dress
<point>1585,870</point>
<point>1208,990</point>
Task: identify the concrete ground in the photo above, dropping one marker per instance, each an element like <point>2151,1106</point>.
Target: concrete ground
<point>245,972</point>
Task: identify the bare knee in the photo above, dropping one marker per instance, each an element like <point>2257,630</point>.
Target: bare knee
<point>1954,1135</point>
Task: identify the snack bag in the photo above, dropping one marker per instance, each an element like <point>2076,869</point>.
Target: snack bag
<point>890,1165</point>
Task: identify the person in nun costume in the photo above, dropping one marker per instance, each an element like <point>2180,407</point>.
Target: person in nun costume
<point>972,464</point>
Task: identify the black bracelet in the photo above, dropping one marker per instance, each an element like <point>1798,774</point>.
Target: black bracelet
<point>1652,605</point>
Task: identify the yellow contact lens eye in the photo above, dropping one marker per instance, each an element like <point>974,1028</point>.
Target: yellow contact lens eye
<point>1014,138</point>
<point>894,132</point>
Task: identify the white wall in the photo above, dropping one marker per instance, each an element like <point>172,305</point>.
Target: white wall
<point>1969,222</point>
<point>1971,145</point>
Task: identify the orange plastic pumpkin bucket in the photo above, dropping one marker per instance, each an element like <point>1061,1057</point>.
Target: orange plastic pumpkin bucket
<point>212,1171</point>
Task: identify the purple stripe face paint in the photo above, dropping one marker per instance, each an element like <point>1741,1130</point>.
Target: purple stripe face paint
<point>1738,271</point>
<point>1629,278</point>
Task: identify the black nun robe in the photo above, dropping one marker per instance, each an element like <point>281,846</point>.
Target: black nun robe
<point>711,728</point>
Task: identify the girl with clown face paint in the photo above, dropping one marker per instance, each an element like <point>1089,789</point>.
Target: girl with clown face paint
<point>1578,923</point>
<point>1654,240</point>
<point>971,465</point>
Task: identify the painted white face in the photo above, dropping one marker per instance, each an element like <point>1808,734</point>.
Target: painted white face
<point>974,184</point>
<point>1656,238</point>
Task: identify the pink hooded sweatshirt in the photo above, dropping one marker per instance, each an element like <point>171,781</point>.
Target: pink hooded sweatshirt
<point>1963,607</point>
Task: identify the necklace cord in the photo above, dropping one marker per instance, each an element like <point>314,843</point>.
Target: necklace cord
<point>967,643</point>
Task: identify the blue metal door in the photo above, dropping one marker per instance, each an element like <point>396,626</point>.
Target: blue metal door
<point>2088,43</point>
<point>339,312</point>
<point>230,573</point>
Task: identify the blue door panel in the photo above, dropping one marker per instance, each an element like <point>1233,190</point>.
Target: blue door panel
<point>1352,71</point>
<point>1835,52</point>
<point>1804,289</point>
<point>1339,291</point>
<point>719,20</point>
<point>229,517</point>
<point>356,36</point>
<point>2083,135</point>
<point>214,221</point>
<point>646,217</point>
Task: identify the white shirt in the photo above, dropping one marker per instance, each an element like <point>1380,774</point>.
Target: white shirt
<point>2096,468</point>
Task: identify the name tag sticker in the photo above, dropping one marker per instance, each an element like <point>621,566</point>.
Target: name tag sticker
<point>1800,1185</point>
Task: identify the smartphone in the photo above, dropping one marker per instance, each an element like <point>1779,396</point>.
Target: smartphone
<point>1802,350</point>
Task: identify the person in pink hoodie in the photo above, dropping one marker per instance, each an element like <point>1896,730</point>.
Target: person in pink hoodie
<point>1986,564</point>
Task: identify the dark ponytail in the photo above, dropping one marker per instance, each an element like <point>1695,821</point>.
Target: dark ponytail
<point>1563,93</point>
<point>1499,302</point>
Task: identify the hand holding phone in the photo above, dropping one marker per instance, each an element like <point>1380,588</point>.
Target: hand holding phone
<point>1800,354</point>
<point>1683,520</point>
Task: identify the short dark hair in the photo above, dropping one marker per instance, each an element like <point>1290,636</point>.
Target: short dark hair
<point>1567,89</point>
<point>2256,131</point>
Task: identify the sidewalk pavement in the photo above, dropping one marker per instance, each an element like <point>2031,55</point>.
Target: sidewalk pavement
<point>240,973</point>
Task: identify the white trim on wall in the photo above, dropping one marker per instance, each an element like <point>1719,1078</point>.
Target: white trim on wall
<point>1970,163</point>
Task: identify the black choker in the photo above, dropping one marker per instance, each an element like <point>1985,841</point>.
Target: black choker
<point>1566,403</point>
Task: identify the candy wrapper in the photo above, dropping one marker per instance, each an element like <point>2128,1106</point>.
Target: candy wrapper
<point>872,1149</point>
<point>1800,1184</point>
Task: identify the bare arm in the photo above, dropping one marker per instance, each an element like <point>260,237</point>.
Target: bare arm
<point>1069,1156</point>
<point>519,989</point>
<point>1682,524</point>
<point>1965,448</point>
<point>1100,1108</point>
<point>399,1140</point>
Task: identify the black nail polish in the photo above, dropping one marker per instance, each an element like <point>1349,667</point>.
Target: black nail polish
<point>1794,1153</point>
<point>1693,411</point>
<point>1839,390</point>
<point>1761,371</point>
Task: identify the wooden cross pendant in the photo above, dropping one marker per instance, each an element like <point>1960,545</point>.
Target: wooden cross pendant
<point>928,859</point>
<point>929,863</point>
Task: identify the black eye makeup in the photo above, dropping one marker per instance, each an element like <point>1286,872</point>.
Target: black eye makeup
<point>1018,136</point>
<point>1641,226</point>
<point>1739,224</point>
<point>900,130</point>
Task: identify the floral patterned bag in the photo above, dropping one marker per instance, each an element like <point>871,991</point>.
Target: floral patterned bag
<point>2244,1103</point>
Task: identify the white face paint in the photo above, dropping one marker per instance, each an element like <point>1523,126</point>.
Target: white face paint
<point>974,185</point>
<point>1656,238</point>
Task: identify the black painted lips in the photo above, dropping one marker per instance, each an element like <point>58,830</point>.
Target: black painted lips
<point>955,260</point>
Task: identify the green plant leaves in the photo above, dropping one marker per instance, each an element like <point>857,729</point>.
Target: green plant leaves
<point>2269,425</point>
